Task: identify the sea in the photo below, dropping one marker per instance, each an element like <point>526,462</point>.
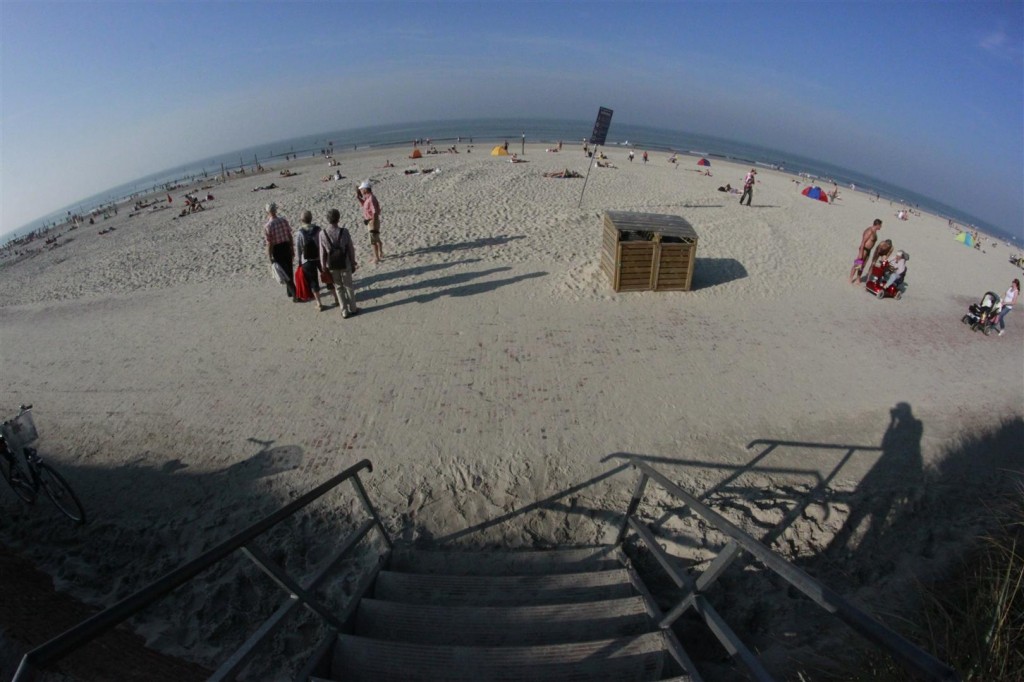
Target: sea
<point>491,131</point>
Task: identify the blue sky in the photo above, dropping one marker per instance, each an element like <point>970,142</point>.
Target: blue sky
<point>928,95</point>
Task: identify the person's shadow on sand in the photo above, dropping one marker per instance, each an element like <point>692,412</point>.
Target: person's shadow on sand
<point>890,490</point>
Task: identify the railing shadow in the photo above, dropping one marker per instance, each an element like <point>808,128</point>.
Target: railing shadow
<point>900,526</point>
<point>550,503</point>
<point>744,500</point>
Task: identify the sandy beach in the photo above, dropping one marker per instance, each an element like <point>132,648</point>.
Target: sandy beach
<point>184,395</point>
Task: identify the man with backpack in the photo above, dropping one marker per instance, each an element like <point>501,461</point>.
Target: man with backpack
<point>307,245</point>
<point>338,257</point>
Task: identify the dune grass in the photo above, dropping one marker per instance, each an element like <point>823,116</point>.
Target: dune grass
<point>974,620</point>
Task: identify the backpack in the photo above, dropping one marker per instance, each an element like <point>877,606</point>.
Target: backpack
<point>337,255</point>
<point>310,244</point>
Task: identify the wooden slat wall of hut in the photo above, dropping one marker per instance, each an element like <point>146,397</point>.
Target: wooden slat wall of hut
<point>635,267</point>
<point>675,265</point>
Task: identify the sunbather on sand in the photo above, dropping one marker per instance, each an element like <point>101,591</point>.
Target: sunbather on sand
<point>562,173</point>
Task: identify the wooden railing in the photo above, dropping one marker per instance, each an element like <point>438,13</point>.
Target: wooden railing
<point>85,632</point>
<point>915,660</point>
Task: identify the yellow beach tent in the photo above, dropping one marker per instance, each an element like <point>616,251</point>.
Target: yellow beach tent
<point>499,151</point>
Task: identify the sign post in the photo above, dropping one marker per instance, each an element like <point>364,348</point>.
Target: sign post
<point>597,138</point>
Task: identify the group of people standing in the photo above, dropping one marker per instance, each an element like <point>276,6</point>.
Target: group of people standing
<point>325,255</point>
<point>866,260</point>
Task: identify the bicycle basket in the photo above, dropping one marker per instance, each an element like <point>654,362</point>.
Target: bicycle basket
<point>21,429</point>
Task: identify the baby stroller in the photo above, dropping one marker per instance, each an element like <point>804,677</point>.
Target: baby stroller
<point>876,282</point>
<point>983,314</point>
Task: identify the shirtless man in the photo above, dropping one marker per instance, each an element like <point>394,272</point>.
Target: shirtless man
<point>882,252</point>
<point>867,242</point>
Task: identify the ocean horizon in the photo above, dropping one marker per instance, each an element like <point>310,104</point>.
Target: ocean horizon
<point>483,131</point>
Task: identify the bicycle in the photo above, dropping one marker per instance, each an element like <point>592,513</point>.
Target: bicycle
<point>27,479</point>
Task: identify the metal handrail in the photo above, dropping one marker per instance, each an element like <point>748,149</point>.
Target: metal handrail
<point>913,657</point>
<point>91,628</point>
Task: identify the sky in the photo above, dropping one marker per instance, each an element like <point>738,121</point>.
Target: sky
<point>925,95</point>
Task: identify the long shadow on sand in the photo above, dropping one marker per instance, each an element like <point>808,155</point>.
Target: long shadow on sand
<point>365,281</point>
<point>711,272</point>
<point>453,285</point>
<point>483,242</point>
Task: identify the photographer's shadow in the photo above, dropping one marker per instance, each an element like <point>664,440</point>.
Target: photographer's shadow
<point>890,490</point>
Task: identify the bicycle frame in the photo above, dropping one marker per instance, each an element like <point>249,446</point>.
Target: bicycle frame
<point>34,475</point>
<point>14,446</point>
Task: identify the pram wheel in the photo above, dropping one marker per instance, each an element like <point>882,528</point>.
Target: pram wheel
<point>881,294</point>
<point>899,295</point>
<point>965,319</point>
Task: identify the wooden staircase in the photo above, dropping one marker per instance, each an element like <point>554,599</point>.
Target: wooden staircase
<point>571,614</point>
<point>558,615</point>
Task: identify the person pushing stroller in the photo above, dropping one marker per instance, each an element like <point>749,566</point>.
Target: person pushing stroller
<point>983,314</point>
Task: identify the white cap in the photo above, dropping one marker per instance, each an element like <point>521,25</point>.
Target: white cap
<point>365,184</point>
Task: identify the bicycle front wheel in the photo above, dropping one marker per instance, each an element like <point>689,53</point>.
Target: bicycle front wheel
<point>58,490</point>
<point>15,477</point>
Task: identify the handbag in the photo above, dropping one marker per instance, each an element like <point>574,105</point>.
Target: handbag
<point>278,273</point>
<point>302,287</point>
<point>325,277</point>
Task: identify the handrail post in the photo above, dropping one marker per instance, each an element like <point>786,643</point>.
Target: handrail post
<point>368,506</point>
<point>26,672</point>
<point>288,584</point>
<point>638,494</point>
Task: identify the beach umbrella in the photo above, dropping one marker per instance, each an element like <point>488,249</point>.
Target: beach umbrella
<point>703,162</point>
<point>815,193</point>
<point>965,239</point>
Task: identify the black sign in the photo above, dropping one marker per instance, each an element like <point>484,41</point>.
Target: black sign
<point>604,120</point>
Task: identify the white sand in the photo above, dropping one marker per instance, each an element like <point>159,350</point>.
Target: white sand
<point>184,395</point>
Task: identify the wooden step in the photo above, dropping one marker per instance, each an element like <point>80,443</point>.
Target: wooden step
<point>521,590</point>
<point>359,659</point>
<point>502,625</point>
<point>527,562</point>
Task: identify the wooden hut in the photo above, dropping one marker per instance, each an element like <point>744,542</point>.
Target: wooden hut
<point>648,251</point>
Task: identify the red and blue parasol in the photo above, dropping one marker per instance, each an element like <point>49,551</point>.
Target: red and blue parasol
<point>815,193</point>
